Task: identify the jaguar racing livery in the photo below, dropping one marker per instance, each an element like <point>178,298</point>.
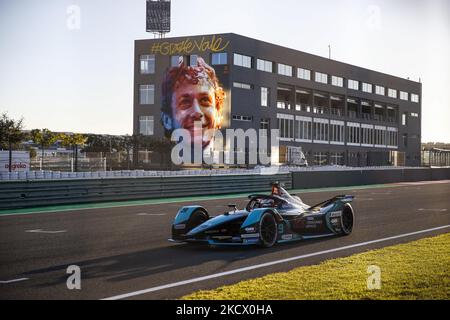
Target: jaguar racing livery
<point>265,221</point>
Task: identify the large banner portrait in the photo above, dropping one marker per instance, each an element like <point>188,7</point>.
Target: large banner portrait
<point>193,99</point>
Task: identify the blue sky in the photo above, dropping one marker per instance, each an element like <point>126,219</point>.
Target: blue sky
<point>81,79</point>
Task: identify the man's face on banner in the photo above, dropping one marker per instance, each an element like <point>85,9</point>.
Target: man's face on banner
<point>195,103</point>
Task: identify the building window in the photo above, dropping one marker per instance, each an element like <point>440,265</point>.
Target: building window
<point>264,97</point>
<point>175,61</point>
<point>285,98</point>
<point>380,136</point>
<point>404,119</point>
<point>405,140</point>
<point>147,64</point>
<point>193,60</point>
<point>220,58</point>
<point>265,124</point>
<point>242,61</point>
<point>337,81</point>
<point>264,65</point>
<point>414,115</point>
<point>353,84</point>
<point>321,77</point>
<point>337,158</point>
<point>146,125</point>
<point>147,94</point>
<point>303,129</point>
<point>320,158</point>
<point>286,126</point>
<point>415,98</point>
<point>321,130</point>
<point>354,137</point>
<point>380,90</point>
<point>367,135</point>
<point>284,70</point>
<point>404,95</point>
<point>242,118</point>
<point>241,85</point>
<point>367,87</point>
<point>337,132</point>
<point>304,74</point>
<point>392,137</point>
<point>392,93</point>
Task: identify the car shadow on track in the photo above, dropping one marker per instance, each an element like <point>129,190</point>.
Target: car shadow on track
<point>190,259</point>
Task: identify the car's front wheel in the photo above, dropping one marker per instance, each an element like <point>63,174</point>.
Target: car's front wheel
<point>347,220</point>
<point>197,218</point>
<point>268,230</point>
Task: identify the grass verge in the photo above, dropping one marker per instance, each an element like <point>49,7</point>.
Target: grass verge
<point>415,270</point>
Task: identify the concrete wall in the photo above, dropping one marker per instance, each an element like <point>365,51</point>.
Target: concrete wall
<point>306,180</point>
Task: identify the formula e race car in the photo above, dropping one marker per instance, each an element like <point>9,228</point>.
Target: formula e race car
<point>266,220</point>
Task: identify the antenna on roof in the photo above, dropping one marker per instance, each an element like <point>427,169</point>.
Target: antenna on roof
<point>329,51</point>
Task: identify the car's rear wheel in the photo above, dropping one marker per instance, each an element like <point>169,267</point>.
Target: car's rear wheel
<point>268,230</point>
<point>348,219</point>
<point>198,217</point>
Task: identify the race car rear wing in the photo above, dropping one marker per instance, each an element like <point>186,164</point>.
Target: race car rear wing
<point>342,198</point>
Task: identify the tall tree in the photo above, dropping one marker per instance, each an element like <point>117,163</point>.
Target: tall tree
<point>45,138</point>
<point>73,141</point>
<point>10,134</point>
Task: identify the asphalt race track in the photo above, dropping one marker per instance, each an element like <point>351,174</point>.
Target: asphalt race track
<point>123,252</point>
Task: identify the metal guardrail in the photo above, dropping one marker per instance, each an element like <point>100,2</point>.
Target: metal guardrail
<point>21,194</point>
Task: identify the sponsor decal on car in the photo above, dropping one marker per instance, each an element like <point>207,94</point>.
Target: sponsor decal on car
<point>250,235</point>
<point>335,214</point>
<point>314,222</point>
<point>287,237</point>
<point>180,226</point>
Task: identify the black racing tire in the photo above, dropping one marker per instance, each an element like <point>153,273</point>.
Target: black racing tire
<point>347,219</point>
<point>268,230</point>
<point>198,217</point>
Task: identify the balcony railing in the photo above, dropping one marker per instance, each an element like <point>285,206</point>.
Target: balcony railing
<point>352,114</point>
<point>337,112</point>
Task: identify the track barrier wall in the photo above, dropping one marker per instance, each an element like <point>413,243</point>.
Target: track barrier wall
<point>34,193</point>
<point>22,194</point>
<point>322,179</point>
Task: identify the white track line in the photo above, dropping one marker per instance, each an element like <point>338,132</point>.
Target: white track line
<point>43,231</point>
<point>151,214</point>
<point>226,273</point>
<point>13,281</point>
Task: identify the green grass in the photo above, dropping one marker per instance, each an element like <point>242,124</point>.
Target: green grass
<point>416,270</point>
